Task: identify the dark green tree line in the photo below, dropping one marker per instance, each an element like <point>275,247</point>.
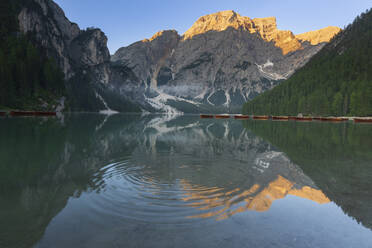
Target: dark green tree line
<point>27,76</point>
<point>336,81</point>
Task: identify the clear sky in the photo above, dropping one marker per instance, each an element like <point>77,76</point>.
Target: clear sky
<point>128,21</point>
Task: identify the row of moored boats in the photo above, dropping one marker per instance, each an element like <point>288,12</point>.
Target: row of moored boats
<point>28,113</point>
<point>285,118</point>
<point>224,116</point>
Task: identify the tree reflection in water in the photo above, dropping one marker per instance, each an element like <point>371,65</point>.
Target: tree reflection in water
<point>174,170</point>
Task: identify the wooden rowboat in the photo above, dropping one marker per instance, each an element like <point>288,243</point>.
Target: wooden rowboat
<point>45,113</point>
<point>222,116</point>
<point>280,118</point>
<point>338,119</point>
<point>206,116</point>
<point>21,113</point>
<point>241,117</point>
<point>261,117</point>
<point>331,119</point>
<point>362,120</point>
<point>32,113</point>
<point>325,118</point>
<point>304,118</point>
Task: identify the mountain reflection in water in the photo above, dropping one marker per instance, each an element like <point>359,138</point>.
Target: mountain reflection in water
<point>175,176</point>
<point>255,198</point>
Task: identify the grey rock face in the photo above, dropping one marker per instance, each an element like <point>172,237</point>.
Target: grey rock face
<point>90,48</point>
<point>51,29</point>
<point>147,57</point>
<point>220,63</point>
<point>72,47</point>
<point>215,70</point>
<point>81,54</point>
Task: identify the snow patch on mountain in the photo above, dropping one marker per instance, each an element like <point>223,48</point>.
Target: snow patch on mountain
<point>107,111</point>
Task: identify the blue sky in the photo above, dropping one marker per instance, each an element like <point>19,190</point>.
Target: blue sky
<point>127,21</point>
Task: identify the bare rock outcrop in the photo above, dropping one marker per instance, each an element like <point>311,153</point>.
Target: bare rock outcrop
<point>265,27</point>
<point>319,36</point>
<point>82,55</point>
<point>222,61</point>
<point>71,47</point>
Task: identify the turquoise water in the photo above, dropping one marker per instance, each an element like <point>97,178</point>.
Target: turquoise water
<point>88,180</point>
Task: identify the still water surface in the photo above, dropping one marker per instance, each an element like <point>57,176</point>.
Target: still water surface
<point>160,181</point>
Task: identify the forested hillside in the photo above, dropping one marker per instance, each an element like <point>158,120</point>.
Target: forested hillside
<point>45,57</point>
<point>336,81</point>
<point>28,78</point>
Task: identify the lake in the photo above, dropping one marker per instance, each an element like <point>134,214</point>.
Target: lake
<point>89,180</point>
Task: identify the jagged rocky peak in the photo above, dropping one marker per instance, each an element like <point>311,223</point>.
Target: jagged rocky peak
<point>71,47</point>
<point>284,39</point>
<point>82,55</point>
<point>222,61</point>
<point>265,27</point>
<point>163,34</point>
<point>53,34</point>
<point>90,48</point>
<point>159,41</point>
<point>145,58</point>
<point>30,19</point>
<point>219,21</point>
<point>319,36</point>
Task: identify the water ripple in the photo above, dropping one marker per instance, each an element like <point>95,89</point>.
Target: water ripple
<point>130,191</point>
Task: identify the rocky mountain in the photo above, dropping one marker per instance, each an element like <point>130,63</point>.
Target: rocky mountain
<point>319,36</point>
<point>82,55</point>
<point>222,61</point>
<point>337,81</point>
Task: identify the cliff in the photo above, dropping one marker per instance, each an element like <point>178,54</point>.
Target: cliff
<point>266,28</point>
<point>222,61</point>
<point>82,55</point>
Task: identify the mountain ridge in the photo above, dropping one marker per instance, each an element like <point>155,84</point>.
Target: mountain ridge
<point>266,27</point>
<point>222,61</point>
<point>321,35</point>
<point>214,71</point>
<point>82,55</point>
<point>337,81</point>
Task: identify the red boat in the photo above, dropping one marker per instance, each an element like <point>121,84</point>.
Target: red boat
<point>332,119</point>
<point>362,120</point>
<point>241,117</point>
<point>206,116</point>
<point>32,113</point>
<point>261,117</point>
<point>304,118</point>
<point>292,118</point>
<point>338,119</point>
<point>21,113</point>
<point>325,118</point>
<point>222,116</point>
<point>280,118</point>
<point>3,113</point>
<point>45,113</point>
